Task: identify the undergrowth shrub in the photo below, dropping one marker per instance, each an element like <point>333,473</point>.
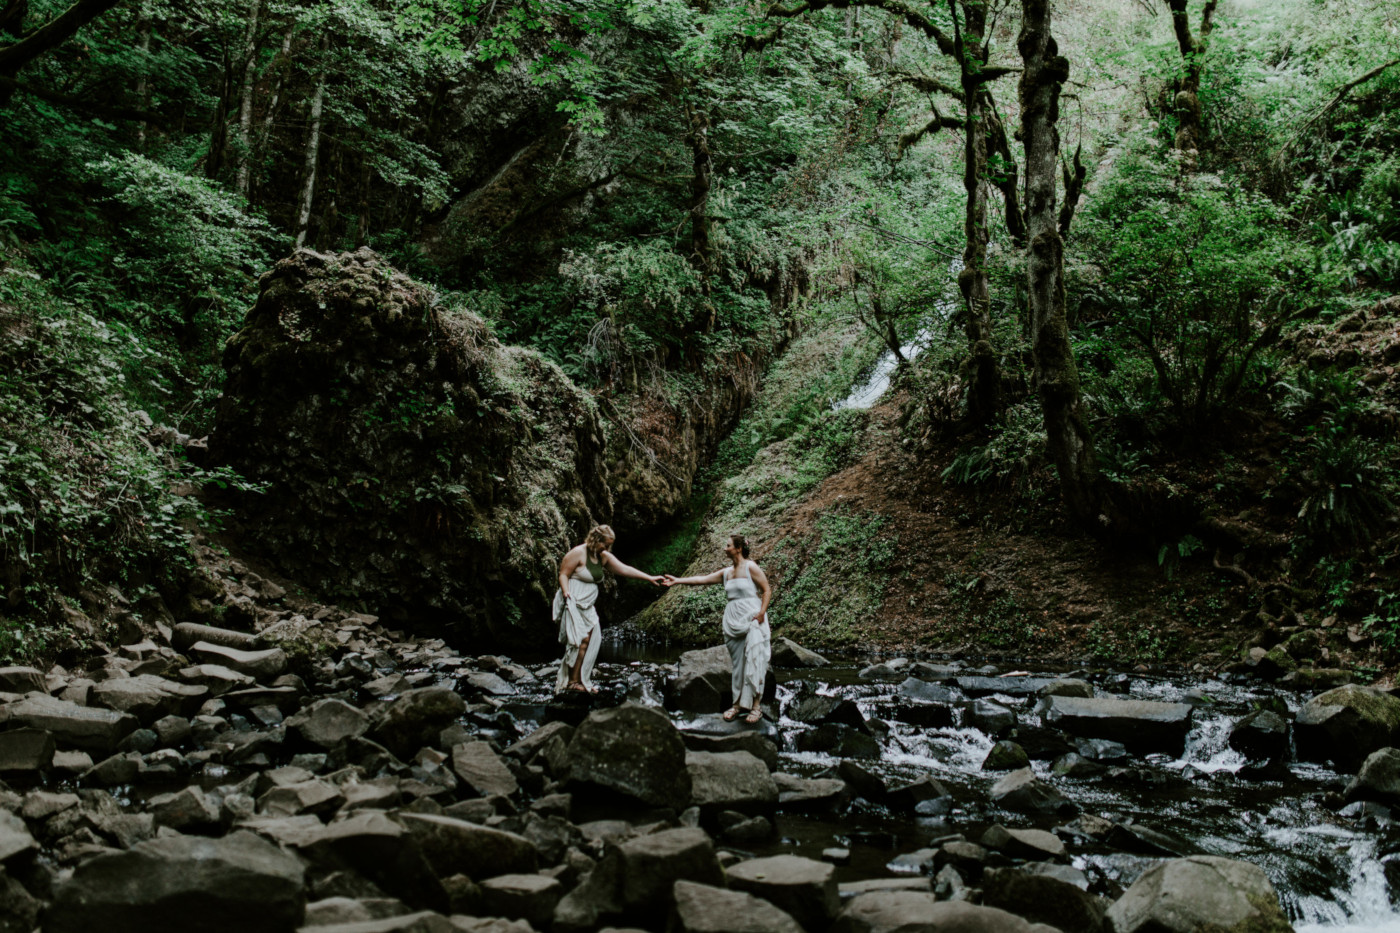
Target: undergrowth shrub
<point>833,579</point>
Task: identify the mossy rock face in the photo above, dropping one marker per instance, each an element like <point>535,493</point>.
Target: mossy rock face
<point>413,465</point>
<point>1347,724</point>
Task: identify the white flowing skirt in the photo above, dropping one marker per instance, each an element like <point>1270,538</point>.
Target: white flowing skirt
<point>749,647</point>
<point>577,620</point>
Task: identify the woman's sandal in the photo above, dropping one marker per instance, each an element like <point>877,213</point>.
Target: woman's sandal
<point>754,716</point>
<point>578,687</point>
<point>731,714</point>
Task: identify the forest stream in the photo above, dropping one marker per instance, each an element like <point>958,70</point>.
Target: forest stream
<point>1326,865</point>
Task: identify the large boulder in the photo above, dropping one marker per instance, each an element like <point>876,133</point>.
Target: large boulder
<point>1378,779</point>
<point>403,448</point>
<point>71,725</point>
<point>1141,725</point>
<point>147,697</point>
<point>232,884</point>
<point>701,908</point>
<point>702,681</point>
<point>730,781</point>
<point>634,883</point>
<point>919,912</point>
<point>804,888</point>
<point>455,846</point>
<point>1202,892</point>
<point>1042,898</point>
<point>1023,792</point>
<point>416,719</point>
<point>1260,735</point>
<point>630,752</point>
<point>1347,724</point>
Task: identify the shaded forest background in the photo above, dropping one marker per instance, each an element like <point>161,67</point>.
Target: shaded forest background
<point>687,207</point>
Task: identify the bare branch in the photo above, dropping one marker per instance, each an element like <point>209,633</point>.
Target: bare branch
<point>899,8</point>
<point>51,34</point>
<point>938,122</point>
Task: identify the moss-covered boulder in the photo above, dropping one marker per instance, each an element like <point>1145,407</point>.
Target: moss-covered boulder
<point>1200,894</point>
<point>1347,724</point>
<point>412,464</point>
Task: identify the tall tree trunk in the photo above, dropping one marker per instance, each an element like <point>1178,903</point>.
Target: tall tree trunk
<point>1187,102</point>
<point>245,98</point>
<point>1057,378</point>
<point>703,167</point>
<point>984,401</point>
<point>313,151</point>
<point>362,208</point>
<point>282,66</point>
<point>143,85</point>
<point>218,133</point>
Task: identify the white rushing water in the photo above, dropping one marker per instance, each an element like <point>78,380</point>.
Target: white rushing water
<point>1362,905</point>
<point>867,393</point>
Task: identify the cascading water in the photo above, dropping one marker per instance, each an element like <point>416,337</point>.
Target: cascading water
<point>1329,868</point>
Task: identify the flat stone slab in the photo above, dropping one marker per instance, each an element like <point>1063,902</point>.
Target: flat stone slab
<point>804,888</point>
<point>21,680</point>
<point>1140,725</point>
<point>73,726</point>
<point>26,750</point>
<point>262,665</point>
<point>1007,686</point>
<point>480,768</point>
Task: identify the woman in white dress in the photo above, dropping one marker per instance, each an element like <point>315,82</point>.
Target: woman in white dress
<point>580,572</point>
<point>745,626</point>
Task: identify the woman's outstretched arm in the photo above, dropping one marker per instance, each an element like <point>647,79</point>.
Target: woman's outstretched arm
<point>624,570</point>
<point>708,578</point>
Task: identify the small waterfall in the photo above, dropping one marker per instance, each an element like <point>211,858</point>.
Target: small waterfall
<point>1363,906</point>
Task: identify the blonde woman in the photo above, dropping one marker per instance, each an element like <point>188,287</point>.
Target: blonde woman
<point>746,632</point>
<point>580,572</point>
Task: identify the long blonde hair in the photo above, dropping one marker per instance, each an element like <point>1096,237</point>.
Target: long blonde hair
<point>598,539</point>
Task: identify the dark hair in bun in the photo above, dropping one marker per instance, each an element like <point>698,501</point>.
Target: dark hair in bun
<point>739,542</point>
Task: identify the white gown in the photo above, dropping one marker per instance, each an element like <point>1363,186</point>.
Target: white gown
<point>748,642</point>
<point>577,620</point>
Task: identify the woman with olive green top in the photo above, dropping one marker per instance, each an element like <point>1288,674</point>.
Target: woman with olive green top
<point>580,572</point>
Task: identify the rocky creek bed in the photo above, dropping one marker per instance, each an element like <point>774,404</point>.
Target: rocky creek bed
<point>328,773</point>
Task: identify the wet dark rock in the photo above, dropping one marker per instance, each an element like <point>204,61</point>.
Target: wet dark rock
<point>1260,735</point>
<point>15,838</point>
<point>1005,756</point>
<point>801,887</point>
<point>453,846</point>
<point>789,654</point>
<point>1142,725</point>
<point>1008,686</point>
<point>865,782</point>
<point>531,898</point>
<point>702,681</point>
<point>705,909</point>
<point>1075,765</point>
<point>798,793</point>
<point>852,889</point>
<point>839,741</point>
<point>379,849</point>
<point>921,691</point>
<point>757,744</point>
<point>910,911</point>
<point>1100,749</point>
<point>909,797</point>
<point>1188,894</point>
<point>233,884</point>
<point>967,857</point>
<point>1043,899</point>
<point>887,671</point>
<point>188,810</point>
<point>22,680</point>
<point>262,665</point>
<point>1024,792</point>
<point>1039,743</point>
<point>744,831</point>
<point>821,710</point>
<point>479,768</point>
<point>633,752</point>
<point>19,910</point>
<point>988,716</point>
<point>416,719</point>
<point>26,750</point>
<point>488,683</point>
<point>112,771</point>
<point>635,880</point>
<point>918,862</point>
<point>1347,724</point>
<point>1378,779</point>
<point>1134,837</point>
<point>730,781</point>
<point>1031,844</point>
<point>530,745</point>
<point>312,796</point>
<point>328,723</point>
<point>188,634</point>
<point>72,726</point>
<point>1067,687</point>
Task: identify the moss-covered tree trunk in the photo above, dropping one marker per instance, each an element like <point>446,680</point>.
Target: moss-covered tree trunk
<point>1056,376</point>
<point>984,375</point>
<point>1187,102</point>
